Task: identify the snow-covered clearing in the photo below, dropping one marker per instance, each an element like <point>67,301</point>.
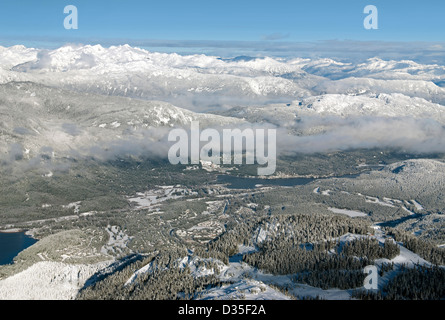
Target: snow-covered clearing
<point>418,206</point>
<point>152,198</point>
<point>48,280</point>
<point>117,242</point>
<point>73,205</point>
<point>246,289</point>
<point>387,202</point>
<point>350,213</point>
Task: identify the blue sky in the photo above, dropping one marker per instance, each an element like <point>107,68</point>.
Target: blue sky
<point>229,20</point>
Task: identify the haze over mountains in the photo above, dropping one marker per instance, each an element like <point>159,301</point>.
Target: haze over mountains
<point>76,98</point>
<point>200,82</point>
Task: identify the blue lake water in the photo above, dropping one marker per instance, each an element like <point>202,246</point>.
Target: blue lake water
<point>233,182</point>
<point>251,183</point>
<point>12,243</point>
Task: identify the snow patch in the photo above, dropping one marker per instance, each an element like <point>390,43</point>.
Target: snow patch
<point>117,242</point>
<point>48,280</point>
<point>350,213</point>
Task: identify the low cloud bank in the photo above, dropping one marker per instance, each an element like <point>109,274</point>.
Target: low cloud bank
<point>335,133</point>
<point>417,136</point>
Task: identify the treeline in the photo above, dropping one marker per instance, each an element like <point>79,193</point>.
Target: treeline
<point>335,278</point>
<point>423,248</point>
<point>319,266</point>
<point>171,284</point>
<point>309,228</point>
<point>414,283</point>
<point>163,280</point>
<point>420,282</point>
<point>299,244</point>
<point>371,248</point>
<point>290,260</point>
<point>307,246</point>
<point>288,230</point>
<point>227,243</point>
<point>111,287</point>
<point>212,253</point>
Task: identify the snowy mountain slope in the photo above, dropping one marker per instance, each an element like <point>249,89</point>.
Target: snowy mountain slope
<point>405,69</point>
<point>134,72</point>
<point>200,82</point>
<point>375,68</point>
<point>36,118</point>
<point>359,86</point>
<point>421,180</point>
<point>71,57</point>
<point>48,280</point>
<point>16,55</point>
<point>342,105</point>
<point>378,105</point>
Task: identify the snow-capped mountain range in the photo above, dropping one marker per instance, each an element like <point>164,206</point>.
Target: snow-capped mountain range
<point>200,82</point>
<point>87,95</point>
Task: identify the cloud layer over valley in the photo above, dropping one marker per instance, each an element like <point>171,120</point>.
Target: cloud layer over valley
<point>92,101</point>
